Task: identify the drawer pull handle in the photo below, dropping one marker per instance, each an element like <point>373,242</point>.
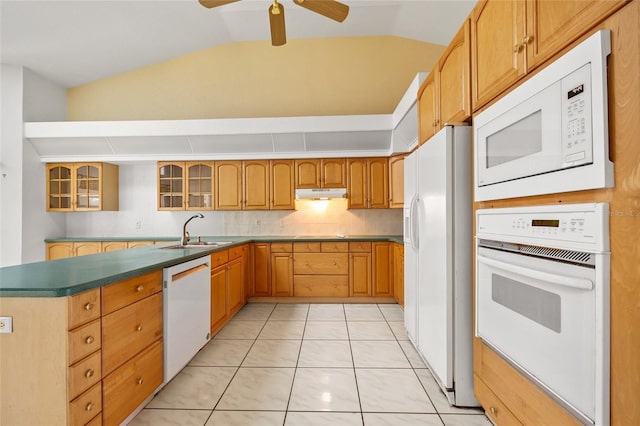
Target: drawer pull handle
<point>493,410</point>
<point>89,373</point>
<point>89,340</point>
<point>139,288</point>
<point>139,327</point>
<point>140,380</point>
<point>88,306</point>
<point>335,263</point>
<point>88,407</point>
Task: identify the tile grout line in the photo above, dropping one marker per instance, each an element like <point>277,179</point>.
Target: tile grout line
<point>353,362</point>
<point>295,370</point>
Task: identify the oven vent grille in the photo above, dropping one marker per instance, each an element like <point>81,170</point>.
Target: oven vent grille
<point>572,256</point>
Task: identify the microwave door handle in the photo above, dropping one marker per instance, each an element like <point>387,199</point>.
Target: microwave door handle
<point>578,283</point>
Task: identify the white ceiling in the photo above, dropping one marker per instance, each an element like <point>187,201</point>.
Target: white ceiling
<point>76,42</point>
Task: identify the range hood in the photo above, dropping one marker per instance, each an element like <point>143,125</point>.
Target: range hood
<point>320,193</point>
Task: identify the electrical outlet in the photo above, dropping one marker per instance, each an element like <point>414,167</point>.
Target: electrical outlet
<point>258,222</point>
<point>6,324</point>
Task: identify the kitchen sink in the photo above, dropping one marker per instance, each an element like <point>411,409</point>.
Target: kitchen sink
<point>199,244</point>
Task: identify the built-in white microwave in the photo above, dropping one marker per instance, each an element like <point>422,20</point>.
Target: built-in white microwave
<point>550,134</point>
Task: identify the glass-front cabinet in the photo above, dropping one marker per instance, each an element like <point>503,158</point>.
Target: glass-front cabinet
<point>185,185</point>
<point>82,187</point>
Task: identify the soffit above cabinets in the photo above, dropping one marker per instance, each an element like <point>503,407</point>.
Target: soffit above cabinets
<point>238,138</point>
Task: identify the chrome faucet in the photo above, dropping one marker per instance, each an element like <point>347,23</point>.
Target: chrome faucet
<point>185,234</point>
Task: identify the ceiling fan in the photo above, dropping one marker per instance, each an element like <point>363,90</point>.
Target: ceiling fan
<point>330,8</point>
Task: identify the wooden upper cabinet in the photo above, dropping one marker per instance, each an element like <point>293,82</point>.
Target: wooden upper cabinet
<point>551,25</point>
<point>199,185</point>
<point>82,187</point>
<point>282,185</point>
<point>368,183</point>
<point>257,177</point>
<point>454,74</point>
<point>333,173</point>
<point>497,57</point>
<point>396,182</point>
<point>307,173</point>
<point>228,184</point>
<point>427,108</point>
<point>171,184</point>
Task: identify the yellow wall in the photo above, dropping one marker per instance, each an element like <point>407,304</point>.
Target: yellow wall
<point>330,76</point>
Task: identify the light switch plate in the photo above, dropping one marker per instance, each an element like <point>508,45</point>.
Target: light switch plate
<point>6,324</point>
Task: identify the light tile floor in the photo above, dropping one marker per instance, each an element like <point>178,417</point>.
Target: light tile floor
<point>301,364</point>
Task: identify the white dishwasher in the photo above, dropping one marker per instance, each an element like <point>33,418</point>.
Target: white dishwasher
<point>187,312</point>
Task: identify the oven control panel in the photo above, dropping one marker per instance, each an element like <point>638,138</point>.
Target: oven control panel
<point>566,226</point>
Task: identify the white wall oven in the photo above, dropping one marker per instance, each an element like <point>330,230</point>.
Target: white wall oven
<point>542,299</point>
<point>550,134</point>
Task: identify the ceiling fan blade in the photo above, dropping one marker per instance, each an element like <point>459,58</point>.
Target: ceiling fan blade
<point>276,21</point>
<point>329,8</point>
<point>214,3</point>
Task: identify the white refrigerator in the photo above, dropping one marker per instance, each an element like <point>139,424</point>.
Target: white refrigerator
<point>438,271</point>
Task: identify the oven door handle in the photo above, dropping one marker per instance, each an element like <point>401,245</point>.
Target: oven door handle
<point>573,282</point>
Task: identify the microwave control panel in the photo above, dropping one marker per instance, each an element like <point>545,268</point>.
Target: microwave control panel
<point>576,117</point>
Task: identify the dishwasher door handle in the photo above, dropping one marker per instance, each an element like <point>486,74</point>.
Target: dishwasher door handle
<point>184,274</point>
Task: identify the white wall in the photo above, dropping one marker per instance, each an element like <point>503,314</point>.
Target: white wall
<point>10,164</point>
<point>138,204</point>
<point>42,101</point>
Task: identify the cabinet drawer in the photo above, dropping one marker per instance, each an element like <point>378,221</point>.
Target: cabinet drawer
<point>96,421</point>
<point>85,407</point>
<point>129,330</point>
<point>123,293</point>
<point>360,246</point>
<point>321,286</point>
<point>306,247</point>
<point>281,247</point>
<point>128,386</point>
<point>85,374</point>
<point>219,258</point>
<point>494,408</point>
<point>84,340</point>
<point>321,263</point>
<point>235,252</point>
<point>84,307</point>
<point>333,247</point>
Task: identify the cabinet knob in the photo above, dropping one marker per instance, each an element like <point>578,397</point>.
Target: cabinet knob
<point>88,306</point>
<point>88,407</point>
<point>89,373</point>
<point>493,410</point>
<point>139,327</point>
<point>89,340</point>
<point>527,39</point>
<point>139,288</point>
<point>518,48</point>
<point>140,380</point>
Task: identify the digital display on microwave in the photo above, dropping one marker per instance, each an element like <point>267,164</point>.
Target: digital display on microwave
<point>552,223</point>
<point>575,91</point>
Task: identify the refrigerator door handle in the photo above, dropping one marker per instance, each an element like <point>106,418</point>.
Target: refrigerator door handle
<point>413,224</point>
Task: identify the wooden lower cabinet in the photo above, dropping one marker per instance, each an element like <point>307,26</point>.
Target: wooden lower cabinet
<point>281,274</point>
<point>85,407</point>
<point>129,385</point>
<point>235,286</point>
<point>398,273</point>
<point>382,280</point>
<point>64,249</point>
<point>218,298</point>
<point>261,281</point>
<point>321,285</point>
<point>359,274</point>
<point>494,408</point>
<point>228,277</point>
<point>108,246</point>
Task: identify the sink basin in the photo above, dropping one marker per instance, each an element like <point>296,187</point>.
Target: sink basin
<point>199,244</point>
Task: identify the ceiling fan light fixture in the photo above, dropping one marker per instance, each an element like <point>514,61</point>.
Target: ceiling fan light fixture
<point>276,24</point>
<point>330,8</point>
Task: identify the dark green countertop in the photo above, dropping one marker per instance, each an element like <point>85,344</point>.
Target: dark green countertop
<point>65,277</point>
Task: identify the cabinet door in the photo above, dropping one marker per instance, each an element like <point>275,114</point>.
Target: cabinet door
<point>171,186</point>
<point>282,274</point>
<point>378,185</point>
<point>59,187</point>
<point>235,286</point>
<point>396,182</point>
<point>333,173</point>
<point>427,107</point>
<point>307,174</point>
<point>135,244</point>
<point>261,283</point>
<point>382,280</point>
<point>454,72</point>
<point>59,250</point>
<point>113,246</point>
<point>228,184</point>
<point>89,247</point>
<point>357,183</point>
<point>87,186</point>
<point>360,274</point>
<point>218,297</point>
<point>398,273</point>
<point>256,184</point>
<point>552,25</point>
<point>282,188</point>
<point>497,56</point>
<point>199,185</point>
